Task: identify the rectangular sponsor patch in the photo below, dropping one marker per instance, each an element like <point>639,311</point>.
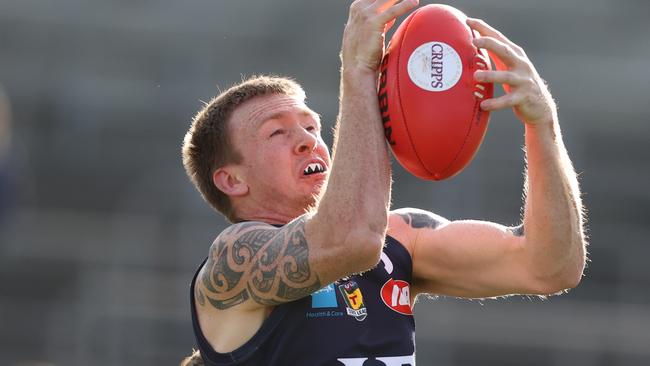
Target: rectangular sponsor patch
<point>324,298</point>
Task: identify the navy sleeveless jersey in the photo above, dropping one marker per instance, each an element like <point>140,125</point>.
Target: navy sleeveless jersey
<point>364,320</point>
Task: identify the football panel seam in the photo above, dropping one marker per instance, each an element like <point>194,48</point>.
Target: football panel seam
<point>399,94</point>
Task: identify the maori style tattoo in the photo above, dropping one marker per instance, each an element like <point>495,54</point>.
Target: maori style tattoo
<point>517,230</point>
<point>200,298</point>
<point>420,220</point>
<point>253,260</point>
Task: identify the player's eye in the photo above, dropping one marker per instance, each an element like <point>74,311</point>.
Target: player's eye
<point>277,132</point>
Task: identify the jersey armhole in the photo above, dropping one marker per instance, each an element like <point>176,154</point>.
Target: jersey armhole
<point>245,351</point>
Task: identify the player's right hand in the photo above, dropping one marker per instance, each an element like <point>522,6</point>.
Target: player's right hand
<point>363,38</point>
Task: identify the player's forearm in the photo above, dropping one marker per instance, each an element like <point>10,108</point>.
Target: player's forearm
<point>553,210</point>
<point>353,211</point>
<point>358,191</point>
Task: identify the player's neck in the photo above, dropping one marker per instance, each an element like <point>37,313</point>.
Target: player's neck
<point>276,214</point>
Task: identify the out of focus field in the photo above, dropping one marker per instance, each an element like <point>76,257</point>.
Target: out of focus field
<point>100,230</point>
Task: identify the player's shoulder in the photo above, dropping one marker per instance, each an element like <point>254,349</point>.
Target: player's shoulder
<point>415,218</point>
<point>259,232</point>
<point>245,230</point>
<point>242,242</point>
<point>404,224</point>
<point>245,226</point>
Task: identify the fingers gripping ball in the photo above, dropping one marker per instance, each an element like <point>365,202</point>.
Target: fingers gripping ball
<point>429,100</point>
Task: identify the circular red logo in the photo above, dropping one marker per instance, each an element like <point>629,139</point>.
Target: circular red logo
<point>396,294</point>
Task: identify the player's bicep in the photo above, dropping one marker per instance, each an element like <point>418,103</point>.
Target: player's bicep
<point>257,264</point>
<point>471,259</point>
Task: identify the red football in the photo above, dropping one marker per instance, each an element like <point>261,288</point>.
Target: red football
<point>428,98</point>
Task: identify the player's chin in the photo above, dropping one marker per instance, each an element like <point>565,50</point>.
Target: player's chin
<point>315,182</point>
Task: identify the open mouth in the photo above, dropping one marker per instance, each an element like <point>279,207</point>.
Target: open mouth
<point>313,168</point>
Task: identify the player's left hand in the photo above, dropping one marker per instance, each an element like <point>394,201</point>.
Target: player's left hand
<point>363,37</point>
<point>526,92</point>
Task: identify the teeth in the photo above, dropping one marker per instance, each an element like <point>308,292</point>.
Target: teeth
<point>314,168</point>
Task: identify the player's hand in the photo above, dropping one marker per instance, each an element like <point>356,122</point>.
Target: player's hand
<point>526,92</point>
<point>363,38</point>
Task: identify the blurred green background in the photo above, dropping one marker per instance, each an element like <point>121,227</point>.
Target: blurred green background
<point>100,230</point>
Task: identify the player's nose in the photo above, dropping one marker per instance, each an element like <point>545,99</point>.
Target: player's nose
<point>305,141</point>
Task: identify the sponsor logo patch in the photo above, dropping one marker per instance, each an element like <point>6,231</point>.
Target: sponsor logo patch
<point>435,66</point>
<point>324,298</point>
<point>396,294</point>
<point>354,300</point>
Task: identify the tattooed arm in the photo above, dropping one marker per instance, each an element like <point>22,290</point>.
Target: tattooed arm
<point>256,261</point>
<point>253,266</point>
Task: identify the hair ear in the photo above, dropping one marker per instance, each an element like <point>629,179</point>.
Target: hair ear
<point>228,181</point>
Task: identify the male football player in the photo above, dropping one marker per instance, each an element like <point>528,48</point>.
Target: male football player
<point>315,268</point>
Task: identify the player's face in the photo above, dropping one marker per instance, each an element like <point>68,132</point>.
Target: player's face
<point>285,160</point>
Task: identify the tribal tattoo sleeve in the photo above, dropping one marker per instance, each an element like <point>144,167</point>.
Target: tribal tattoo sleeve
<point>258,262</point>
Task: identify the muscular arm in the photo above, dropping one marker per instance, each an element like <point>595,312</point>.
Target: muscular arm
<point>359,191</point>
<point>554,238</point>
<point>553,210</point>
